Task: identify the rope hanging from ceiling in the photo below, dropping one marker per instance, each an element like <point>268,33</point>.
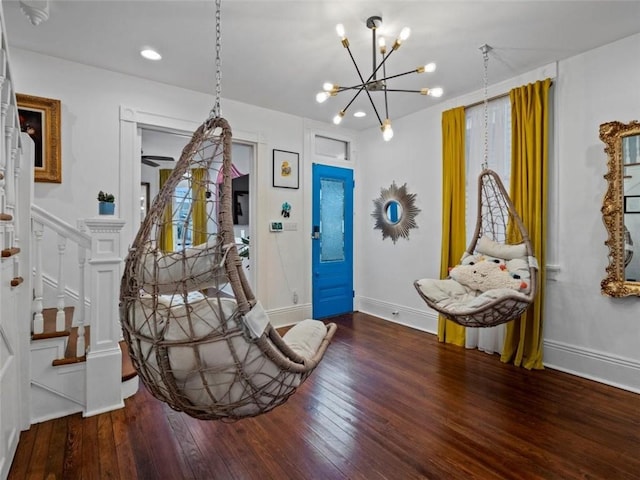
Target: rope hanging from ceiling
<point>199,339</point>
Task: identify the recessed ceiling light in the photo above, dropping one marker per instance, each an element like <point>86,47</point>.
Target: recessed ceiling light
<point>359,114</point>
<point>150,54</point>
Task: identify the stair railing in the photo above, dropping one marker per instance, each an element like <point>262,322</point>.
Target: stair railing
<point>41,220</point>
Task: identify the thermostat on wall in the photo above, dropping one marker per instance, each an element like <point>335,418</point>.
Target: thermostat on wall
<point>275,226</point>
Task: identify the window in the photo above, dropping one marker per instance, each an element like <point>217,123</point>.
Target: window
<point>499,152</point>
<point>331,147</point>
<point>182,222</point>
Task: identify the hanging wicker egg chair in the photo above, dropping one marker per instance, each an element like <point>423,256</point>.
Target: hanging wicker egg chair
<point>486,299</point>
<point>497,219</point>
<point>198,338</point>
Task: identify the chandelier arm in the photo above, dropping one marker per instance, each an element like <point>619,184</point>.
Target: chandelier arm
<point>397,75</point>
<point>355,87</point>
<point>386,102</point>
<point>373,105</point>
<point>402,90</point>
<point>352,100</point>
<point>370,99</point>
<point>373,74</point>
<point>370,80</point>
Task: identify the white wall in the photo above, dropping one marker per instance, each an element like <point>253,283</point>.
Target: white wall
<point>91,100</point>
<point>584,332</point>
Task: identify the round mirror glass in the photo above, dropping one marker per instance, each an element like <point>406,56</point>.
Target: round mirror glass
<point>393,212</point>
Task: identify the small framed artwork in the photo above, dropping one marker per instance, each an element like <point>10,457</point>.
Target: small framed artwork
<point>286,169</point>
<point>632,204</point>
<point>40,119</point>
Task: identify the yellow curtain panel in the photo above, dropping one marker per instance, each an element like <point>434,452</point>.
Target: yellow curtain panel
<point>199,199</point>
<point>165,241</point>
<point>528,192</point>
<point>453,208</point>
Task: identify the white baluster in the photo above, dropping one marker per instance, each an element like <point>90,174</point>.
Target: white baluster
<point>10,155</point>
<point>3,114</point>
<point>17,218</point>
<point>637,139</point>
<point>60,317</point>
<point>38,319</point>
<point>13,180</point>
<point>81,344</point>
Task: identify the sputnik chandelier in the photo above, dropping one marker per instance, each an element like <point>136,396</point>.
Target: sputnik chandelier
<point>373,83</point>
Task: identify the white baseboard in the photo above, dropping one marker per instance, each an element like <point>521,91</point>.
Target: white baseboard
<point>418,319</point>
<point>601,367</point>
<point>425,320</point>
<point>282,317</point>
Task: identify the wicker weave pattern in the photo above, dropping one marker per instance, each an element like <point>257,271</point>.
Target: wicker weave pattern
<point>182,312</point>
<point>498,220</point>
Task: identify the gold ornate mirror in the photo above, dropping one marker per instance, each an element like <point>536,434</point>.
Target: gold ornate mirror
<point>395,212</point>
<point>621,208</point>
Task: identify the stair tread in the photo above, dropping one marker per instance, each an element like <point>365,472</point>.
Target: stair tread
<point>49,316</point>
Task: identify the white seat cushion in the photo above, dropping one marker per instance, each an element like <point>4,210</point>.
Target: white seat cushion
<point>193,268</point>
<point>305,337</point>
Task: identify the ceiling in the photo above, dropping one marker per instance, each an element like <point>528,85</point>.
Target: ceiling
<point>277,54</point>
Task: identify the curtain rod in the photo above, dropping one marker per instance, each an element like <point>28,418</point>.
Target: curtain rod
<point>496,97</point>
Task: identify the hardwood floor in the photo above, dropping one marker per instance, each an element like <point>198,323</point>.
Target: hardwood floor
<point>387,402</point>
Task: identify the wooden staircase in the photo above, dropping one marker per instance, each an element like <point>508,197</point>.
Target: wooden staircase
<point>71,333</point>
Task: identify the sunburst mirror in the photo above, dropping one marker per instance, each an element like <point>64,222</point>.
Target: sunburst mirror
<point>395,212</point>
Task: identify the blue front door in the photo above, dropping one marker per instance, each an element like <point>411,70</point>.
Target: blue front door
<point>332,241</point>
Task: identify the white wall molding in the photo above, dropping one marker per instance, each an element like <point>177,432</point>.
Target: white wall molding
<point>425,320</point>
<point>601,367</point>
<point>285,316</point>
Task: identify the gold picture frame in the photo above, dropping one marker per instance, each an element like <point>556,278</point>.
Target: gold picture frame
<point>619,210</point>
<point>40,119</point>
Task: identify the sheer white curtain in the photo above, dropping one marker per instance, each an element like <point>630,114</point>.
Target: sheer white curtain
<point>489,340</point>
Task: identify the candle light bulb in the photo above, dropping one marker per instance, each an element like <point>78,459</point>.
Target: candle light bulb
<point>322,97</point>
<point>387,131</point>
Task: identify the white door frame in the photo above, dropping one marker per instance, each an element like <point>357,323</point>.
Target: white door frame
<point>131,119</point>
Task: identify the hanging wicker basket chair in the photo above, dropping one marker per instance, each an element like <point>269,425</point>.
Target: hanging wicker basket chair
<point>497,221</point>
<point>198,338</point>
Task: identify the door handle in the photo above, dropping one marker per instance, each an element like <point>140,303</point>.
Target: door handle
<point>316,232</point>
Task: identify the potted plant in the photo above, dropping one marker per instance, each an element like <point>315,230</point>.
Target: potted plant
<point>106,205</point>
